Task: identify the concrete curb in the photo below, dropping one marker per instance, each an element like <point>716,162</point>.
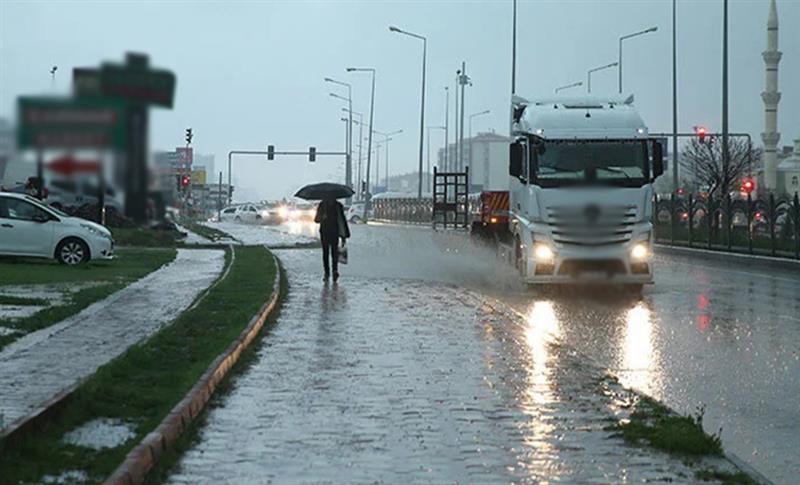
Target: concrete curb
<point>773,262</point>
<point>143,457</point>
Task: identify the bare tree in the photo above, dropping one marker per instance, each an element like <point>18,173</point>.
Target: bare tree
<point>702,162</point>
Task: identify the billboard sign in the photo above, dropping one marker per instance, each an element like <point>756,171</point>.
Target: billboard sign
<point>52,122</point>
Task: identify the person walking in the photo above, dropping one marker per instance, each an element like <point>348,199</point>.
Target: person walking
<point>332,227</point>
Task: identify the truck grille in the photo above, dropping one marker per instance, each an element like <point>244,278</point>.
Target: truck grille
<point>591,225</point>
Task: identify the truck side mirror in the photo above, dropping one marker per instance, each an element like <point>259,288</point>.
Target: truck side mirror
<point>516,155</point>
<point>658,159</point>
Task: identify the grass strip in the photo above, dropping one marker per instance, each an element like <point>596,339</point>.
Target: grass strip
<point>653,423</point>
<point>142,385</point>
<point>727,478</point>
<point>170,459</point>
<point>21,301</point>
<point>207,232</point>
<point>106,277</point>
<point>146,237</point>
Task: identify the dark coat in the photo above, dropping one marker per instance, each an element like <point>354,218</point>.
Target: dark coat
<point>331,220</point>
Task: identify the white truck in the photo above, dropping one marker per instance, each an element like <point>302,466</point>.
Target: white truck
<point>581,172</point>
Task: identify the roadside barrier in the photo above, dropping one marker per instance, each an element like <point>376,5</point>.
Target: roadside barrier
<point>766,225</point>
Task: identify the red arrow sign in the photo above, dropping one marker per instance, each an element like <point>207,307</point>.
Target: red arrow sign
<point>67,165</point>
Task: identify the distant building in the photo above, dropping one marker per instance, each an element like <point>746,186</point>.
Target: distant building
<point>771,97</point>
<point>788,171</point>
<point>486,155</point>
<point>8,148</point>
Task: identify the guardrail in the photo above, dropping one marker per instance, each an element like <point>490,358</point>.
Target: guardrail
<point>412,209</point>
<point>766,225</point>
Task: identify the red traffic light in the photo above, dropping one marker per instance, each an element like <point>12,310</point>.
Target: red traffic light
<point>748,185</point>
<point>186,180</point>
<point>701,133</point>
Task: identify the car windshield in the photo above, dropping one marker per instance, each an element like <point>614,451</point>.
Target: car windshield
<point>592,162</point>
<point>39,204</point>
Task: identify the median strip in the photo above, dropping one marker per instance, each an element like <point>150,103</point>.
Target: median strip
<point>140,388</point>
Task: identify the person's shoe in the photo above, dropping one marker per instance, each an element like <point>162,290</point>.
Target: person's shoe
<point>335,277</point>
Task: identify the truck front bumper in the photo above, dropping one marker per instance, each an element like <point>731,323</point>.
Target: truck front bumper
<point>596,265</point>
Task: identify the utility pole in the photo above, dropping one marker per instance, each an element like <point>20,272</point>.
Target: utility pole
<point>349,148</point>
<point>675,181</point>
<point>455,120</point>
<point>369,143</point>
<point>514,50</point>
<point>446,129</point>
<point>725,153</point>
<point>463,80</point>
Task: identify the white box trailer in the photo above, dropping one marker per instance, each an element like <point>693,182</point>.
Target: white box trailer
<point>581,172</point>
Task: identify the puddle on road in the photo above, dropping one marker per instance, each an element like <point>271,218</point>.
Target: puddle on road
<point>100,433</point>
<point>54,295</point>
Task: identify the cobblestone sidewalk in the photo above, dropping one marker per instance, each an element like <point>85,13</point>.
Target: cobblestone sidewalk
<point>398,381</point>
<point>44,363</point>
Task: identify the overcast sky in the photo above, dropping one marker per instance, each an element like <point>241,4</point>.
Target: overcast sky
<point>251,73</point>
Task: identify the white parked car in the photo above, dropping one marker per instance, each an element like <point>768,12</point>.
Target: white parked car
<point>241,213</point>
<point>355,213</point>
<point>30,228</point>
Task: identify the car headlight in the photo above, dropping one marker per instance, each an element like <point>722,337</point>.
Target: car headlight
<point>543,253</point>
<point>639,251</point>
<point>283,212</point>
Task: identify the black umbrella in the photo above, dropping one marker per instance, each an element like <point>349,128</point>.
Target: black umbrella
<point>324,190</point>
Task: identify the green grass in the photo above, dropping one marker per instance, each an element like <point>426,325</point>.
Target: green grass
<point>146,237</point>
<point>21,301</point>
<point>727,478</point>
<point>205,231</point>
<point>143,385</point>
<point>653,423</point>
<point>106,278</point>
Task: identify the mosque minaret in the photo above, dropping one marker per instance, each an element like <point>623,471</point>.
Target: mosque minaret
<point>771,97</point>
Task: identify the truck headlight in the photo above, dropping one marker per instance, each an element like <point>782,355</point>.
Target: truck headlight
<point>543,253</point>
<point>639,251</point>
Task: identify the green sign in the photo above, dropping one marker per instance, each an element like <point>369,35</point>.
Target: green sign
<point>135,81</point>
<point>52,122</point>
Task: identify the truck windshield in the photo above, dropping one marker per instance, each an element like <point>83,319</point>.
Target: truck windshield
<point>609,162</point>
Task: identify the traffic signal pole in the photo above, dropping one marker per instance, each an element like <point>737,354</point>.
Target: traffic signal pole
<point>312,153</point>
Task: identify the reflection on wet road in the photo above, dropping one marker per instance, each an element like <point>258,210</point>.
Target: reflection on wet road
<point>473,391</point>
<point>404,381</point>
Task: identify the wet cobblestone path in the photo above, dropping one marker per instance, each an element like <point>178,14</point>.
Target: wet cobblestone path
<point>403,381</point>
<point>43,364</point>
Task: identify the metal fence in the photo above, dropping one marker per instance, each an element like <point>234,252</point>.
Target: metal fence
<point>408,209</point>
<point>766,225</point>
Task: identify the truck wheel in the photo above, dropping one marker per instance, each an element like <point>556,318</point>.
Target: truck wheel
<point>634,289</point>
<point>72,251</point>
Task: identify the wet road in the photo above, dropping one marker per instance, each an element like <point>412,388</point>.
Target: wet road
<point>708,333</point>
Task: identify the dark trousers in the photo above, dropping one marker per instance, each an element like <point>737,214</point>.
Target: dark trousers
<point>330,248</point>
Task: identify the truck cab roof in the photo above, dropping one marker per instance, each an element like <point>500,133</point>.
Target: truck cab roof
<point>579,117</point>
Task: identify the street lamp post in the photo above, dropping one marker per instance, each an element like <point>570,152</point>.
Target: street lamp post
<point>369,143</point>
<point>619,60</point>
<point>473,115</point>
<point>590,71</point>
<point>446,128</point>
<point>349,149</point>
<point>567,86</point>
<point>360,124</point>
<point>386,140</point>
<point>422,101</point>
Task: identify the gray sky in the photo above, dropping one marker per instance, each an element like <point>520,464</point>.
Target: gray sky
<point>251,73</point>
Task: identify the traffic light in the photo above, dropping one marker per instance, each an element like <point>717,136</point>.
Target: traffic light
<point>189,136</point>
<point>186,180</point>
<point>747,186</point>
<point>270,152</point>
<point>701,133</point>
<point>312,154</point>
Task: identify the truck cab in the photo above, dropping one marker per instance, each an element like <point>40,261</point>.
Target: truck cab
<point>581,172</point>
